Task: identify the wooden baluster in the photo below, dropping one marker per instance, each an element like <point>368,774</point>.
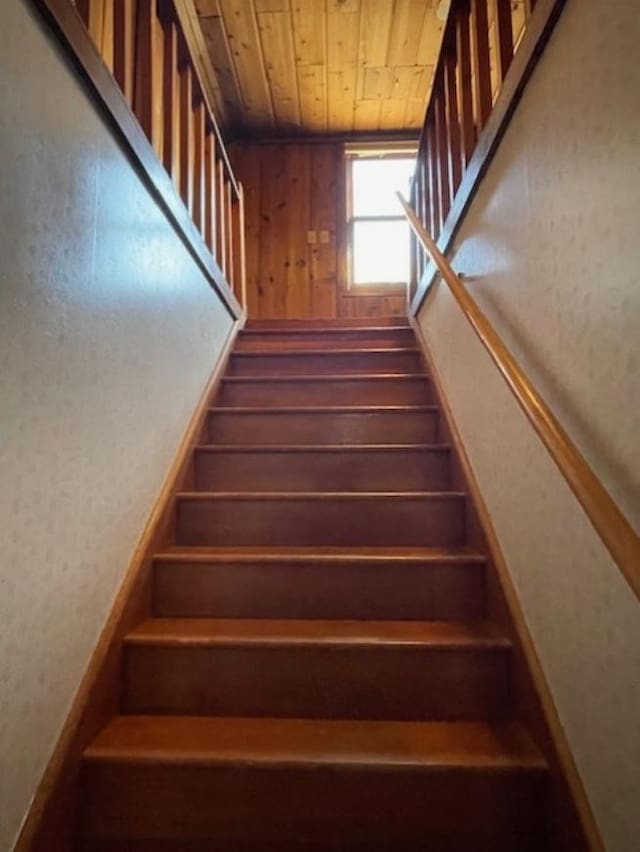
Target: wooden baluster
<point>452,118</point>
<point>171,140</point>
<point>228,209</point>
<point>92,13</point>
<point>198,166</point>
<point>465,90</point>
<point>426,204</point>
<point>504,33</point>
<point>157,111</point>
<point>434,190</point>
<point>481,61</point>
<point>106,45</point>
<point>240,275</point>
<point>221,219</point>
<point>416,203</point>
<point>146,89</point>
<point>210,190</point>
<point>186,136</point>
<point>443,153</point>
<point>124,16</point>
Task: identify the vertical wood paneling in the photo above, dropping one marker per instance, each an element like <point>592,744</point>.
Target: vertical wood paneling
<point>246,164</point>
<point>295,216</point>
<point>326,165</point>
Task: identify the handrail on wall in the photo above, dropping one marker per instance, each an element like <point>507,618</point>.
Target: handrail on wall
<point>604,514</point>
<point>143,46</point>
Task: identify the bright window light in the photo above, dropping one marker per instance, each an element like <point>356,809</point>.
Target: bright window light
<point>379,231</point>
<point>380,252</point>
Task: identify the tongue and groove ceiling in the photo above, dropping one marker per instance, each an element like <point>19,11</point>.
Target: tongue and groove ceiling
<point>288,67</point>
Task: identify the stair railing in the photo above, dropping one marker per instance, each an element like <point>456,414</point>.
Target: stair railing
<point>604,514</point>
<point>488,49</point>
<point>146,55</point>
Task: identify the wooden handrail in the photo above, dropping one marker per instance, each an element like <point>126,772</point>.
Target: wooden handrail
<point>604,514</point>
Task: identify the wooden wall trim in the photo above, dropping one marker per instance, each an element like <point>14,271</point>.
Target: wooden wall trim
<point>562,751</point>
<point>49,822</point>
<point>536,36</point>
<point>67,25</point>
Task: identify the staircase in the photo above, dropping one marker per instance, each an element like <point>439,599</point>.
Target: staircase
<point>318,672</point>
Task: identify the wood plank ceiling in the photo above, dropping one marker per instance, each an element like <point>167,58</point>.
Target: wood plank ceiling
<point>288,67</point>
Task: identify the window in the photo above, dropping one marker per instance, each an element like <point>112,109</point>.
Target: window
<point>378,230</point>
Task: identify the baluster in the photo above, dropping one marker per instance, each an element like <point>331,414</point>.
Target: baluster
<point>481,61</point>
<point>504,36</point>
<point>210,190</point>
<point>186,136</point>
<point>228,210</point>
<point>124,16</point>
<point>144,93</point>
<point>443,154</point>
<point>452,118</point>
<point>198,166</point>
<point>239,271</point>
<point>171,141</point>
<point>434,190</point>
<point>221,219</point>
<point>463,49</point>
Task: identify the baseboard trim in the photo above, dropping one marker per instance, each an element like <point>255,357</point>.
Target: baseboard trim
<point>48,825</point>
<point>559,743</point>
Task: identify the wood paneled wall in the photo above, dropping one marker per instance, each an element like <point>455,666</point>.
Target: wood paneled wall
<point>296,234</point>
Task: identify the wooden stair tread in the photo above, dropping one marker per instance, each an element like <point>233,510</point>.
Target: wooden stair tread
<point>308,743</point>
<point>323,409</point>
<point>320,554</point>
<point>318,496</point>
<point>330,377</point>
<point>323,353</point>
<point>321,448</point>
<point>358,329</point>
<point>317,633</point>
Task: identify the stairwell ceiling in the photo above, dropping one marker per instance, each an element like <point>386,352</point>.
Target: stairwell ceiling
<point>288,67</point>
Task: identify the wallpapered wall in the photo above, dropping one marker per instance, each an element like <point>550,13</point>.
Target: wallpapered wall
<point>551,247</point>
<point>108,334</point>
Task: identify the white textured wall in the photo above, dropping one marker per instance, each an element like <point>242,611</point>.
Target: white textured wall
<point>108,333</point>
<point>552,240</point>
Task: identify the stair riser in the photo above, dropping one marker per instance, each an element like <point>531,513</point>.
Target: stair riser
<point>181,808</point>
<point>391,391</point>
<point>294,428</point>
<point>319,340</point>
<point>314,682</point>
<point>298,522</point>
<point>315,590</point>
<point>304,364</point>
<point>417,470</point>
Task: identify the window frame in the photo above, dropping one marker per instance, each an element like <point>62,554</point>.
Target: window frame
<point>402,151</point>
